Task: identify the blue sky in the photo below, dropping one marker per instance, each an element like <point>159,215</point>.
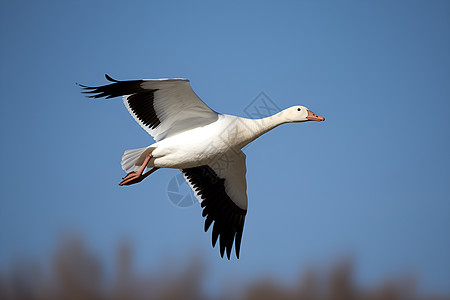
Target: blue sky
<point>371,182</point>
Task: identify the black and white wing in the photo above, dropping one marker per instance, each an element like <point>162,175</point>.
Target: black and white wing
<point>221,189</point>
<point>163,107</point>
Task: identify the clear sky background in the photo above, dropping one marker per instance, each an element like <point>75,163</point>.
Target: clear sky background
<point>371,182</point>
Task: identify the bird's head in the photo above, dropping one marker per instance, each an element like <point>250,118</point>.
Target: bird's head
<point>300,114</point>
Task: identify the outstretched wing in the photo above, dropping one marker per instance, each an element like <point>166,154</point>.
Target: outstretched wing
<point>163,107</point>
<point>221,189</point>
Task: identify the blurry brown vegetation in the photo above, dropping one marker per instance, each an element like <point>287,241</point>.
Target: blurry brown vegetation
<point>75,273</point>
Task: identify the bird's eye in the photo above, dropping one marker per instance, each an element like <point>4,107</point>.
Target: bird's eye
<point>299,109</point>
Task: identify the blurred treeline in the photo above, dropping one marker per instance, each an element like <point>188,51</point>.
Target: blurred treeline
<point>74,273</point>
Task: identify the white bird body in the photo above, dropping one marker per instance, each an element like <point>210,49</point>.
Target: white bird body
<point>203,145</point>
<point>195,147</point>
<point>195,139</point>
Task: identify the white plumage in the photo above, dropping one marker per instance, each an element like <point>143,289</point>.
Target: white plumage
<point>204,145</point>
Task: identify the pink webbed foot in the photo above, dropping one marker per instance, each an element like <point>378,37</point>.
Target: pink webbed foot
<point>128,175</point>
<point>132,178</point>
<point>135,177</point>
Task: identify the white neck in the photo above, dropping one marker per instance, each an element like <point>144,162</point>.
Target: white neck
<point>254,128</point>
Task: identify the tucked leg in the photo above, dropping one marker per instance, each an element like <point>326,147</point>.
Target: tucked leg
<point>135,177</point>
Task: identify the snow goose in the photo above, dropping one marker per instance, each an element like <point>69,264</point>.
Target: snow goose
<point>193,138</point>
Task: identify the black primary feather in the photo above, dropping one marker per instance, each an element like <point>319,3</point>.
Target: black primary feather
<point>218,207</point>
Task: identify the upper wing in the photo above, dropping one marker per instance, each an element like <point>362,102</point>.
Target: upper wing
<point>221,189</point>
<point>163,107</point>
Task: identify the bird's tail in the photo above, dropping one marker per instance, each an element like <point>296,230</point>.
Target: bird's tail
<point>134,158</point>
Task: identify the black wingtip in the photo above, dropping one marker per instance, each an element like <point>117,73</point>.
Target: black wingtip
<point>219,209</point>
<point>86,90</point>
<point>110,78</point>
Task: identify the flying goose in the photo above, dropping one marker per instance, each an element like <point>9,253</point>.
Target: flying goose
<point>192,137</point>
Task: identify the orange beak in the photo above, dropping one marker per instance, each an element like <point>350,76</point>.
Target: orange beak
<point>313,117</point>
